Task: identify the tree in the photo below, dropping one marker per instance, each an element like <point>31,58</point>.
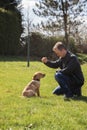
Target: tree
<point>9,4</point>
<point>61,11</point>
<point>10,27</point>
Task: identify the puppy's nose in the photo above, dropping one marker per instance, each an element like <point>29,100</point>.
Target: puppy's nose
<point>44,74</point>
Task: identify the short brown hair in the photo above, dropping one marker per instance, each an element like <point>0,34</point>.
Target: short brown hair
<point>59,46</point>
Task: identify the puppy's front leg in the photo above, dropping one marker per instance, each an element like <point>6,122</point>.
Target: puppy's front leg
<point>38,93</point>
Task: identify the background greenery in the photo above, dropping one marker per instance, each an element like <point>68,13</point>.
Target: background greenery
<point>9,32</point>
<point>50,112</point>
<point>41,45</point>
<point>10,27</point>
<point>14,26</point>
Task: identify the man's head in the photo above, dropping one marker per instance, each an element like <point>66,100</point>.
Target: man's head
<point>60,49</point>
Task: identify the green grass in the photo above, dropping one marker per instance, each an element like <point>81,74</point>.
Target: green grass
<point>50,112</point>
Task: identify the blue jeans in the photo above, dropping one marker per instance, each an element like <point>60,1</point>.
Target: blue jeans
<point>63,81</point>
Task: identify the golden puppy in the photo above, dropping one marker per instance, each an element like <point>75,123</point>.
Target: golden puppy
<point>34,86</point>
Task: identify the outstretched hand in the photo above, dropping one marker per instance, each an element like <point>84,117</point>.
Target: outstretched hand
<point>44,59</point>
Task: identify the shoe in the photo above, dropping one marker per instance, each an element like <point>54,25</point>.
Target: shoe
<point>77,92</point>
<point>68,97</point>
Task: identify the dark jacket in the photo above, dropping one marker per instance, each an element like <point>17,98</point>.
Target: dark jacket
<point>70,66</point>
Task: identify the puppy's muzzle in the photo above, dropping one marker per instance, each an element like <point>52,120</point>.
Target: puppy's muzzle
<point>44,75</point>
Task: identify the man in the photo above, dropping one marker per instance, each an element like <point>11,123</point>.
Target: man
<point>70,76</point>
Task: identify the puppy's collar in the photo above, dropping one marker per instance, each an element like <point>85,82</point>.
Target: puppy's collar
<point>37,79</point>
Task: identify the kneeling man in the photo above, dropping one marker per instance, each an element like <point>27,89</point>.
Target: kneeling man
<point>70,77</point>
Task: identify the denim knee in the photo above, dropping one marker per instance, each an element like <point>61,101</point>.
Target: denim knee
<point>58,75</point>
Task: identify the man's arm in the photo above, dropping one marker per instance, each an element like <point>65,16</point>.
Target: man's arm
<point>51,64</point>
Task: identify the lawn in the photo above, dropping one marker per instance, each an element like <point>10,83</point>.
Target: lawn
<point>50,112</point>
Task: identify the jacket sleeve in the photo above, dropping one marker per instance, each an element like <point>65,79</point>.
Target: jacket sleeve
<point>54,64</point>
<point>71,66</point>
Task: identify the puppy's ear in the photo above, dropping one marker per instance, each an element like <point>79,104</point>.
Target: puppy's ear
<point>34,77</point>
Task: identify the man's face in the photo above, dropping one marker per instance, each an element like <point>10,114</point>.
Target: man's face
<point>59,53</point>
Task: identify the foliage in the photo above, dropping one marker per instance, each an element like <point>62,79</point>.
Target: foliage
<point>49,112</point>
<point>10,31</point>
<point>41,45</point>
<point>82,57</point>
<point>9,4</point>
<point>10,27</point>
<point>61,14</point>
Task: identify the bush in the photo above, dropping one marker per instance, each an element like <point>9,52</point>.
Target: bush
<point>41,45</point>
<point>10,32</point>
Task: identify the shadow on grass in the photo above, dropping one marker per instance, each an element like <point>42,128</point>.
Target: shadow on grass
<point>82,98</point>
<point>19,58</point>
<point>12,58</point>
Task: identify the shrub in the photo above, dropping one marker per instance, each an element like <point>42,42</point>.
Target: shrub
<point>10,31</point>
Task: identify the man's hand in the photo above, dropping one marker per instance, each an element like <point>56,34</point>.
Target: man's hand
<point>44,59</point>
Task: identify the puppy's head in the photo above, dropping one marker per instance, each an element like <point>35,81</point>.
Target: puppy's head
<point>38,76</point>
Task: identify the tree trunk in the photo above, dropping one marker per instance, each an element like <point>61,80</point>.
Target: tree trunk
<point>65,16</point>
<point>66,32</point>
